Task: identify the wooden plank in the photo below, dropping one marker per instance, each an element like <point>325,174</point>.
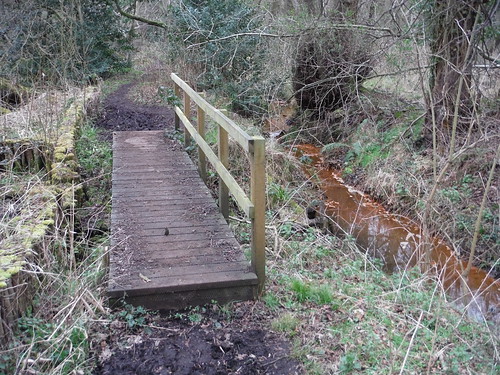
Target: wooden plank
<point>195,281</point>
<point>180,237</point>
<point>177,91</point>
<point>202,161</point>
<point>171,196</point>
<point>239,195</point>
<point>186,244</point>
<point>178,271</point>
<point>223,153</point>
<point>127,168</point>
<point>143,176</point>
<point>160,204</point>
<point>172,222</point>
<point>187,113</point>
<point>230,126</point>
<point>156,182</point>
<point>198,259</point>
<point>165,300</point>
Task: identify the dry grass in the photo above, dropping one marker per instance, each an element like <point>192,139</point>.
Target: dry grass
<point>40,117</point>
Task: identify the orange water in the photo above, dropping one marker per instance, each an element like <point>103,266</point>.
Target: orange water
<point>397,240</point>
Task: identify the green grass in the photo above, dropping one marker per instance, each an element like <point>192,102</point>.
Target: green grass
<point>348,317</point>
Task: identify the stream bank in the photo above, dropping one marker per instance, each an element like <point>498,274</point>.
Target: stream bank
<point>397,240</point>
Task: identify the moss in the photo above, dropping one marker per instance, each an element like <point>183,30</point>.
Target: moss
<point>65,164</point>
<point>4,111</point>
<point>15,269</point>
<point>30,232</point>
<point>6,259</point>
<point>63,168</point>
<point>39,231</point>
<point>48,222</point>
<point>4,275</point>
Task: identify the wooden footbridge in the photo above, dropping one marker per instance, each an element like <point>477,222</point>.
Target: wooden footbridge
<point>171,244</point>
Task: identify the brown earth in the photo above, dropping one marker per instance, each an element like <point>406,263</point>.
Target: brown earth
<point>206,340</point>
<point>121,113</point>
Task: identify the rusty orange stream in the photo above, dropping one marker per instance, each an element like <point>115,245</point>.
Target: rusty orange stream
<point>396,240</point>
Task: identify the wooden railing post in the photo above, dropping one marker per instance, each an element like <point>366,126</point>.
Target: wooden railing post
<point>223,147</point>
<point>177,91</point>
<point>258,197</point>
<point>202,160</point>
<point>255,206</point>
<point>187,113</point>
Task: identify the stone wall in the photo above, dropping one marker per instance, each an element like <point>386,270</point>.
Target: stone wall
<point>26,239</point>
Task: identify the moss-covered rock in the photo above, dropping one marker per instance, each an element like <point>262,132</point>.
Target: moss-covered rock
<point>39,210</point>
<point>4,111</point>
<point>11,93</point>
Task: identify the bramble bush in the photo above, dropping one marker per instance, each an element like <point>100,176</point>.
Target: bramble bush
<point>213,35</point>
<point>54,41</point>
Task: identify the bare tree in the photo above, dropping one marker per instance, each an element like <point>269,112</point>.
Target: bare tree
<point>454,35</point>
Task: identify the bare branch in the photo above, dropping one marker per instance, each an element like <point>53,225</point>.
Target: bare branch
<point>296,35</point>
<point>138,18</point>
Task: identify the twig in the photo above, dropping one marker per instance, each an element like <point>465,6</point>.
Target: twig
<point>297,35</point>
<point>411,342</point>
<point>479,218</point>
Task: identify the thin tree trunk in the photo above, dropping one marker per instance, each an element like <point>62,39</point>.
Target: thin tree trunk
<point>479,218</point>
<point>452,28</point>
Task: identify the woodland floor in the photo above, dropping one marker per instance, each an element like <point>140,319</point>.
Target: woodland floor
<point>206,340</point>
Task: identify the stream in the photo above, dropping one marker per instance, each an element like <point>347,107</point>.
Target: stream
<point>396,240</point>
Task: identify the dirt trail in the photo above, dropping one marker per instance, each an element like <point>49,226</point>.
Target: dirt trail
<point>120,113</point>
<point>205,341</point>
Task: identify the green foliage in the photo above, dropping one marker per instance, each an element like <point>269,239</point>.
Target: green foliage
<point>278,194</point>
<point>271,301</point>
<point>349,363</point>
<point>167,94</point>
<point>210,33</point>
<point>94,155</point>
<point>67,345</point>
<point>135,317</point>
<point>286,323</point>
<point>333,146</point>
<point>305,292</point>
<point>53,40</point>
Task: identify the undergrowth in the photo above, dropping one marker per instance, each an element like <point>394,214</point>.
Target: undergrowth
<point>53,335</point>
<point>341,311</point>
<point>345,315</point>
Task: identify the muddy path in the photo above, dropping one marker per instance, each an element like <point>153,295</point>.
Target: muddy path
<point>206,340</point>
<point>121,113</point>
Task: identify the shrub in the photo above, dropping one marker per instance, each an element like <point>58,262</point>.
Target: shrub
<point>217,38</point>
<point>329,67</point>
<point>54,41</point>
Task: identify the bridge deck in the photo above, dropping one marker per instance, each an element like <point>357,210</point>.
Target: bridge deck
<point>157,190</point>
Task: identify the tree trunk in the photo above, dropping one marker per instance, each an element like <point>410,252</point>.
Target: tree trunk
<point>452,26</point>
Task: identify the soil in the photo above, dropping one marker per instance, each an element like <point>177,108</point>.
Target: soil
<point>121,113</point>
<point>204,340</point>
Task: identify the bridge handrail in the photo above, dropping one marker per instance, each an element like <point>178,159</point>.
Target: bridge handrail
<point>254,207</point>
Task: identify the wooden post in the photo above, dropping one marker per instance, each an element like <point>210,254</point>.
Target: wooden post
<point>202,160</point>
<point>258,197</point>
<point>187,112</point>
<point>223,148</point>
<point>177,91</point>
